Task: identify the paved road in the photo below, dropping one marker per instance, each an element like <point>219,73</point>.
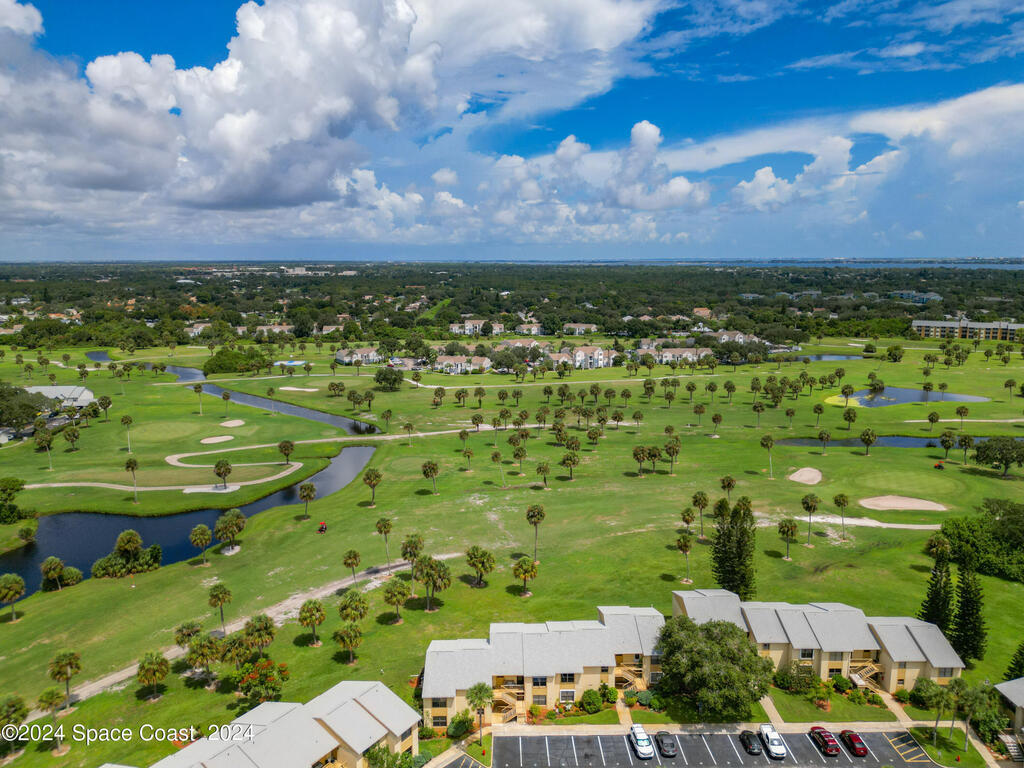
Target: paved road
<point>895,748</point>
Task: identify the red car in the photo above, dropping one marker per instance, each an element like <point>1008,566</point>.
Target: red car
<point>825,740</point>
<point>854,743</point>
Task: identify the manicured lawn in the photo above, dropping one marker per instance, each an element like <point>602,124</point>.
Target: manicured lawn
<point>796,708</point>
<point>682,712</point>
<point>918,713</point>
<point>481,754</point>
<point>949,751</point>
<point>604,717</point>
<point>434,747</point>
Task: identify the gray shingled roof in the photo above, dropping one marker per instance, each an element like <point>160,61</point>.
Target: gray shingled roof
<point>704,605</point>
<point>907,639</point>
<point>1013,690</point>
<point>544,649</point>
<point>361,712</point>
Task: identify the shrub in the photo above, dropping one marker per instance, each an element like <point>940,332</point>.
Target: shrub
<point>795,678</point>
<point>989,724</point>
<point>841,684</point>
<point>875,699</point>
<point>534,711</point>
<point>590,701</point>
<point>420,760</point>
<point>71,576</point>
<point>643,698</point>
<point>630,699</point>
<point>611,695</point>
<point>657,703</point>
<point>427,733</point>
<point>460,725</point>
<point>902,695</point>
<point>551,714</point>
<point>922,692</point>
<point>856,696</point>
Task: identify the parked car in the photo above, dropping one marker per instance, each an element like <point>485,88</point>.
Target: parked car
<point>750,743</point>
<point>666,744</point>
<point>641,742</point>
<point>825,740</point>
<point>773,744</point>
<point>854,743</point>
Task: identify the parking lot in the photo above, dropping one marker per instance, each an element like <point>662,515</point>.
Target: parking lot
<point>896,748</point>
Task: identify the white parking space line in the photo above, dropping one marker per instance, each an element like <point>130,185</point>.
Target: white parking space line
<point>869,750</point>
<point>708,749</point>
<point>729,737</point>
<point>520,750</point>
<point>789,752</point>
<point>626,742</point>
<point>814,746</point>
<point>602,750</point>
<point>546,750</point>
<point>574,757</point>
<point>683,754</point>
<point>843,748</point>
<point>657,751</point>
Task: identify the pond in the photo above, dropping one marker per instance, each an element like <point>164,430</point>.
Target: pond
<point>81,538</point>
<point>903,395</point>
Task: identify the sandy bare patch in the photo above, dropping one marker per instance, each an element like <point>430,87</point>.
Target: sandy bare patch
<point>808,476</point>
<point>901,502</point>
<point>232,423</point>
<point>216,439</point>
<point>298,389</point>
<point>211,489</point>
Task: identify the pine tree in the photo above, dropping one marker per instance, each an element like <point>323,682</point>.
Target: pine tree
<point>938,602</point>
<point>1016,668</point>
<point>969,631</point>
<point>732,555</point>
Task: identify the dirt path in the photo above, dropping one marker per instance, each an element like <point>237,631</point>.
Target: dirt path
<point>279,612</point>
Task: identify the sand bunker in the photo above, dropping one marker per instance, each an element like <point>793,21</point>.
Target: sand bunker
<point>807,476</point>
<point>211,489</point>
<point>232,423</point>
<point>901,502</point>
<point>217,439</point>
<point>298,389</point>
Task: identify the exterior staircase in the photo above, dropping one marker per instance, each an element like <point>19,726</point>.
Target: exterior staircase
<point>632,677</point>
<point>1013,747</point>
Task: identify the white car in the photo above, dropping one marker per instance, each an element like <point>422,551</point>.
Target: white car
<point>773,745</point>
<point>641,742</point>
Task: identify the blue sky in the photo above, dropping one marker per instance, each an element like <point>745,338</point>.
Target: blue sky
<point>704,129</point>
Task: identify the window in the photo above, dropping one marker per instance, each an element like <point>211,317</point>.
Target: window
<point>440,721</point>
<point>604,670</point>
<point>567,696</point>
<point>655,658</point>
<point>540,682</point>
<point>806,653</point>
<point>568,677</point>
<point>406,734</point>
<point>766,646</point>
<point>439,703</point>
<point>945,671</point>
<point>900,681</point>
<point>540,699</point>
<point>902,665</point>
<point>655,678</point>
<point>835,656</point>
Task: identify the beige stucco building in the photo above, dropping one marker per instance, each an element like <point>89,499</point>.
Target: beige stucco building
<point>542,664</point>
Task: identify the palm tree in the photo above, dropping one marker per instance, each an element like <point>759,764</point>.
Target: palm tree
<point>44,440</point>
<point>52,569</point>
<point>200,538</point>
<point>810,504</point>
<point>526,570</point>
<point>868,437</point>
<point>349,636</point>
<point>684,544</point>
<point>50,701</point>
<point>353,606</point>
<point>767,442</point>
<point>728,483</point>
<point>687,517</point>
<point>185,632</point>
<point>396,593</point>
<point>824,436</point>
<point>758,408</point>
<point>481,561</point>
<point>311,616</point>
<point>198,389</point>
<point>226,397</point>
<point>409,429</point>
<point>962,412</point>
<point>131,465</point>
<point>787,530</point>
<point>351,560</point>
<point>126,422</point>
<point>307,492</point>
<point>222,469</point>
<point>62,668</point>
<point>259,632</point>
<point>383,527</point>
<point>479,696</point>
<point>286,448</point>
<point>153,668</point>
<point>700,501</point>
<point>431,471</point>
<point>842,501</point>
<point>219,597</point>
<point>818,410</point>
<point>535,516</point>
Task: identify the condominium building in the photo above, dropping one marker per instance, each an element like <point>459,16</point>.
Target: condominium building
<point>334,730</point>
<point>542,664</point>
<point>968,329</point>
<point>831,638</point>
